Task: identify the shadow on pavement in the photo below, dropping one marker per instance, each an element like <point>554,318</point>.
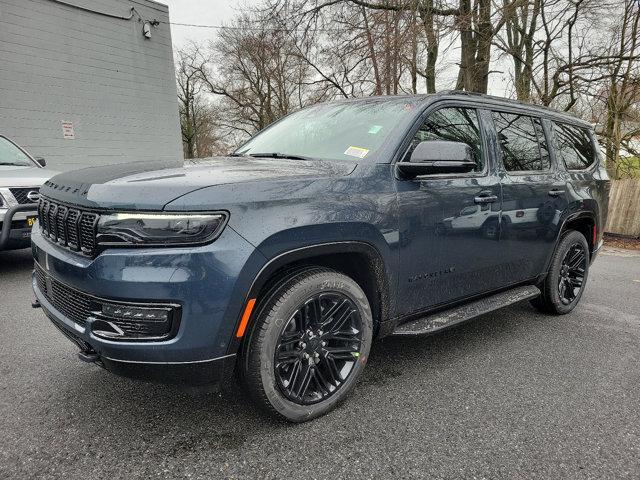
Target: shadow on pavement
<point>14,261</point>
<point>198,418</point>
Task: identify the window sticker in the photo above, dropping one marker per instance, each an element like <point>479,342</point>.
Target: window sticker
<point>375,129</point>
<point>356,152</point>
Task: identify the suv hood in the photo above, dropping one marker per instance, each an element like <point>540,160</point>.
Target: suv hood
<point>151,185</point>
<point>24,176</point>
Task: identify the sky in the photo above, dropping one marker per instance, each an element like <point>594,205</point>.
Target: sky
<point>207,12</point>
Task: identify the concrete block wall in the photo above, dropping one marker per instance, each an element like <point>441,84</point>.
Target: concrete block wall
<point>60,64</point>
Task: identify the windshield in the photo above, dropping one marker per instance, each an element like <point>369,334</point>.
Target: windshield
<point>12,155</point>
<point>335,131</point>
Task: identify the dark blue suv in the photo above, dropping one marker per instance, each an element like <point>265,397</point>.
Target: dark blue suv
<point>341,223</point>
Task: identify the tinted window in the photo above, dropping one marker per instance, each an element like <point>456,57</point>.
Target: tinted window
<point>522,142</point>
<point>455,125</point>
<point>573,146</point>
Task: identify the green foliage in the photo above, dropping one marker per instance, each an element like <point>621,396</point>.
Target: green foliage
<point>628,167</point>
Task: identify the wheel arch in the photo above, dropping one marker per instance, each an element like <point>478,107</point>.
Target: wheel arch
<point>359,260</point>
<point>583,222</point>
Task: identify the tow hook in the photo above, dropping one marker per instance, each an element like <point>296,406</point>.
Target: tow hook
<point>36,304</point>
<point>88,356</point>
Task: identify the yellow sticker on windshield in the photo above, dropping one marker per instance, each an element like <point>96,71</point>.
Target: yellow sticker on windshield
<point>356,152</point>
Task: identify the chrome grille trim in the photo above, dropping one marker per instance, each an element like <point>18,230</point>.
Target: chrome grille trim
<point>20,194</point>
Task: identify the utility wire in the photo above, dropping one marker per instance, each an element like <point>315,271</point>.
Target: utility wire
<point>225,27</point>
<point>97,12</point>
<point>194,25</point>
<point>222,27</point>
<point>258,29</point>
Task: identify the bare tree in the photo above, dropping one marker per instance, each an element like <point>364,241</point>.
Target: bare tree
<point>280,55</point>
<point>518,41</point>
<point>256,70</point>
<point>622,124</point>
<point>190,105</point>
<point>199,119</point>
<point>476,23</point>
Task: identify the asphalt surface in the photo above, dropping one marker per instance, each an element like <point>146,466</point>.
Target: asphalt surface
<point>514,394</point>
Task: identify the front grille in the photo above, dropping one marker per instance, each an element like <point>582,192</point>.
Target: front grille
<point>79,306</point>
<point>88,222</point>
<point>70,227</point>
<point>73,304</point>
<point>20,194</point>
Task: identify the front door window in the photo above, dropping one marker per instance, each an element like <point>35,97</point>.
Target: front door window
<point>455,124</point>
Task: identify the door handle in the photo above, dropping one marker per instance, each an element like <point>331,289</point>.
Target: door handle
<point>485,199</point>
<point>555,192</point>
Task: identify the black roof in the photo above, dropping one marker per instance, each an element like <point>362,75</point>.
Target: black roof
<point>479,100</point>
<point>508,102</point>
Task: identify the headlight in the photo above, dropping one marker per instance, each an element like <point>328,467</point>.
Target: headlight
<point>158,229</point>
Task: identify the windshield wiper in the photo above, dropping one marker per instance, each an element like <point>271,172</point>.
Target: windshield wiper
<point>280,155</point>
<point>14,164</point>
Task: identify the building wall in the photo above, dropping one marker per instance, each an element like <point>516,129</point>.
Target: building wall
<point>60,64</point>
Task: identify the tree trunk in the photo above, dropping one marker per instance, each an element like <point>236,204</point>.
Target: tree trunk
<point>432,45</point>
<point>480,71</point>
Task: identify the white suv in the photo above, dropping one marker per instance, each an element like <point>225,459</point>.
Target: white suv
<point>20,179</point>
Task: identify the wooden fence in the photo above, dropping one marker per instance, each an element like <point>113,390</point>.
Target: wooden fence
<point>624,208</point>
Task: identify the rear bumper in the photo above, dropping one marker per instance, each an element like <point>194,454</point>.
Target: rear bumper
<point>13,238</point>
<point>595,252</point>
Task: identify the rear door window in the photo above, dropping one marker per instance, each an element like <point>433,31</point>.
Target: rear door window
<point>522,142</point>
<point>573,146</point>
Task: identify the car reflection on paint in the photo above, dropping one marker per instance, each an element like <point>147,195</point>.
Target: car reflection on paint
<point>471,217</point>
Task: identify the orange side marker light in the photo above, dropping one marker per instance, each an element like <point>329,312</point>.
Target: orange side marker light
<point>245,318</point>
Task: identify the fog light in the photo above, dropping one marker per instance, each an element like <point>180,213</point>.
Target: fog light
<point>136,313</point>
<point>128,322</point>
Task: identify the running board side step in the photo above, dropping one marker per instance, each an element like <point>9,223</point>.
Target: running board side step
<point>454,316</point>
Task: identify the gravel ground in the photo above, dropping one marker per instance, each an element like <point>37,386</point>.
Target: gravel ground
<point>617,241</point>
<point>515,394</point>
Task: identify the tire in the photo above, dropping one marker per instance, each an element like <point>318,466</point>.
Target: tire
<point>490,229</point>
<point>555,298</point>
<point>282,352</point>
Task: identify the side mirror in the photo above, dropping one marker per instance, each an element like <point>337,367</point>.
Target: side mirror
<point>41,161</point>
<point>438,156</point>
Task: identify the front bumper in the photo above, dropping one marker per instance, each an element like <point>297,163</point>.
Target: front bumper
<point>12,238</point>
<point>208,282</point>
<point>211,372</point>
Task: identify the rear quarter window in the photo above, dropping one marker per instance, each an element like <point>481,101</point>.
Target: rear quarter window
<point>573,146</point>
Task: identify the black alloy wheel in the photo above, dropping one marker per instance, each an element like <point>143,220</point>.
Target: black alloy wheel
<point>318,348</point>
<point>307,344</point>
<point>572,270</point>
<point>567,276</point>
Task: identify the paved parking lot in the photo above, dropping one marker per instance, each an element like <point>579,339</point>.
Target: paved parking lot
<point>514,394</point>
